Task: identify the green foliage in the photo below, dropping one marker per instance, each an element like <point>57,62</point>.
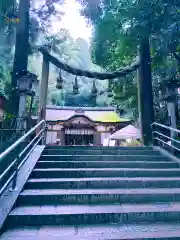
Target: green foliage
<point>118,28</point>
<point>126,95</point>
<point>75,53</point>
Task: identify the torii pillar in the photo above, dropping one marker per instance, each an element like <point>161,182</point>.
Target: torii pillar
<point>145,92</point>
<point>43,89</point>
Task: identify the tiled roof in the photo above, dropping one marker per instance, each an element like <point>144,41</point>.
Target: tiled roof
<point>95,114</point>
<point>104,116</point>
<point>81,108</point>
<point>58,114</point>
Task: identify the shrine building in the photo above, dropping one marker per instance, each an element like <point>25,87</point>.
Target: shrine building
<point>82,126</point>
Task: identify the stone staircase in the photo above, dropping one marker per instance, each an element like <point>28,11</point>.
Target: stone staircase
<point>98,193</point>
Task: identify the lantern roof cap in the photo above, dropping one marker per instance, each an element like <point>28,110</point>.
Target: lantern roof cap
<point>169,98</point>
<point>26,73</point>
<point>169,82</point>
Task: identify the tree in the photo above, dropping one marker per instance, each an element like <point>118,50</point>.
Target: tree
<point>42,15</point>
<point>119,26</point>
<point>27,33</point>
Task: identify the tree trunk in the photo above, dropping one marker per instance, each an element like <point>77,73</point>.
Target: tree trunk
<point>21,49</point>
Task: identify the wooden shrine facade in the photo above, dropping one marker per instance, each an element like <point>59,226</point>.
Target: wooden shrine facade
<point>85,126</point>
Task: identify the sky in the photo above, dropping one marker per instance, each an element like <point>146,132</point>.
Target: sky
<point>74,22</point>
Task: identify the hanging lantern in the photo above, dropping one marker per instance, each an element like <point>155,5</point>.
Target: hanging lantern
<point>110,94</point>
<point>94,90</point>
<point>59,84</point>
<point>75,86</point>
<point>120,88</point>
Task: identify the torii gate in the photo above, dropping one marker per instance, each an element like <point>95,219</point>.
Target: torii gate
<point>145,96</point>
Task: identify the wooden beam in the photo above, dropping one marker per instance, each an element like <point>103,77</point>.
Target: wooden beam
<point>79,72</point>
<point>145,93</point>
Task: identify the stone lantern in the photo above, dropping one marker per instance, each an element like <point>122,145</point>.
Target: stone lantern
<point>59,84</point>
<point>27,84</point>
<point>75,87</point>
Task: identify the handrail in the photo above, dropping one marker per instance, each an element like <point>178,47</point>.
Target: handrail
<point>12,129</point>
<point>168,144</point>
<point>20,140</point>
<point>20,155</point>
<point>156,135</point>
<point>169,138</point>
<point>166,127</point>
<point>17,163</point>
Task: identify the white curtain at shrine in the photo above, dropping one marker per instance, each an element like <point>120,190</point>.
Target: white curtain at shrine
<point>104,135</point>
<point>51,137</point>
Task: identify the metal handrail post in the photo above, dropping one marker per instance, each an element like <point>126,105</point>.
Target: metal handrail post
<point>152,133</point>
<point>45,135</point>
<point>14,180</point>
<point>43,141</point>
<point>155,142</point>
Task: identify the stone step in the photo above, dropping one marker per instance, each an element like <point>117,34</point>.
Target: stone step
<point>99,152</point>
<point>100,148</point>
<point>97,196</point>
<point>102,172</point>
<point>103,158</point>
<point>93,214</point>
<point>97,232</point>
<point>102,183</point>
<point>106,164</point>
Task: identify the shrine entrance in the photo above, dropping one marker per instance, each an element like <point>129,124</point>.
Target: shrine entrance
<point>78,140</point>
<point>79,137</point>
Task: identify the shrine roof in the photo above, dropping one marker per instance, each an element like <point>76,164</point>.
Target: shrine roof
<point>104,115</point>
